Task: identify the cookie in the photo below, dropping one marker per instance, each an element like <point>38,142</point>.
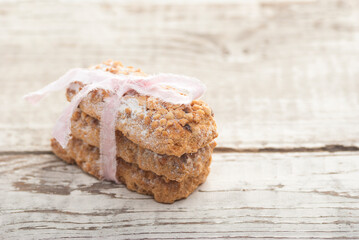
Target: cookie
<point>135,179</point>
<point>162,127</point>
<point>174,168</point>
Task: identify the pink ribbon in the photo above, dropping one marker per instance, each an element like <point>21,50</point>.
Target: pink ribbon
<point>170,88</point>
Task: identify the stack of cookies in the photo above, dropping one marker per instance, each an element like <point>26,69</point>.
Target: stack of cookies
<point>163,149</point>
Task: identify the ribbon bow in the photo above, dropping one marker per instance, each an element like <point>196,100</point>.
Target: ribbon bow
<point>170,88</point>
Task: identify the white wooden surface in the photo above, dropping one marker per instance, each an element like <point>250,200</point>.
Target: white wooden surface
<point>276,195</point>
<point>283,81</point>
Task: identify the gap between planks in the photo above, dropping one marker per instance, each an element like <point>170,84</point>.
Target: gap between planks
<point>326,148</point>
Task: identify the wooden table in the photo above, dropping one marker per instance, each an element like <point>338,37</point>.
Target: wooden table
<point>283,81</point>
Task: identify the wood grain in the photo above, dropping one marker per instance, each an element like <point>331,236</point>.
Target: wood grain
<point>277,195</point>
<point>279,74</point>
<point>283,81</point>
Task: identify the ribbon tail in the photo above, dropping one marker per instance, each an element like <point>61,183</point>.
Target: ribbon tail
<point>108,162</point>
<point>59,84</point>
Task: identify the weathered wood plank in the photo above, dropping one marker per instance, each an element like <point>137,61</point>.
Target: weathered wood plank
<point>279,74</point>
<point>284,196</point>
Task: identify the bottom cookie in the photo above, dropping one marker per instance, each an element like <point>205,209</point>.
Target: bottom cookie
<point>135,179</point>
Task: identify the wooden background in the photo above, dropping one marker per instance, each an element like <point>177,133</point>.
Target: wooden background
<point>283,81</point>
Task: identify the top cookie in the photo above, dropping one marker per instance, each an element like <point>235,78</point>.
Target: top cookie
<point>164,128</point>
